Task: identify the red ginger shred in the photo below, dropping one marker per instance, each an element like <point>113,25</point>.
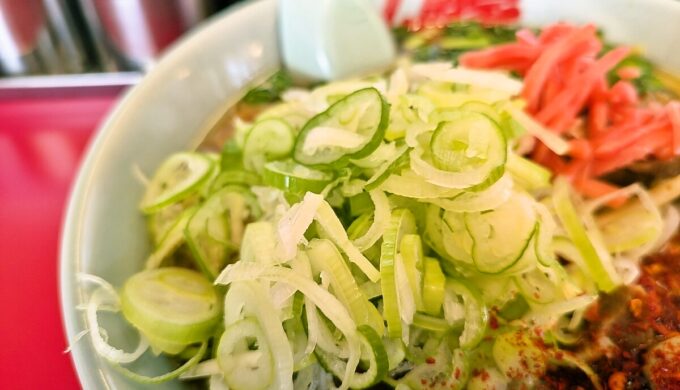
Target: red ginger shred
<point>563,79</point>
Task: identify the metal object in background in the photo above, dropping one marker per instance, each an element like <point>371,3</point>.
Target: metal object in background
<point>129,34</point>
<point>40,37</point>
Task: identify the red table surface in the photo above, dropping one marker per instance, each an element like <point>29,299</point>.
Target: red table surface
<point>41,143</point>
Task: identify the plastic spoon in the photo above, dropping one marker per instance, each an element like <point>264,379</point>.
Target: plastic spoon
<point>333,39</point>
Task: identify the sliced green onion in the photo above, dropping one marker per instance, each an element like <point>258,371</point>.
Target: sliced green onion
<point>408,114</point>
<point>381,219</point>
<point>353,188</point>
<point>482,108</point>
<point>431,323</point>
<point>447,370</point>
<point>259,243</point>
<point>410,185</point>
<point>244,356</point>
<point>434,283</point>
<point>599,266</point>
<point>457,240</point>
<point>399,160</point>
<point>544,235</point>
<point>444,72</point>
<point>501,236</point>
<point>515,308</point>
<point>527,173</point>
<point>152,380</point>
<point>106,297</point>
<point>295,330</point>
<point>558,308</point>
<point>536,286</point>
<point>162,221</point>
<point>234,177</point>
<point>210,235</point>
<point>629,228</point>
<point>324,256</point>
<point>178,177</point>
<point>357,122</point>
<point>295,222</point>
<point>325,301</point>
<point>332,226</point>
<point>387,151</point>
<point>360,204</point>
<point>252,299</point>
<point>396,353</point>
<point>471,201</point>
<point>371,290</point>
<point>175,305</point>
<point>287,175</point>
<point>269,139</point>
<point>462,158</point>
<point>231,158</point>
<point>172,240</point>
<point>549,138</point>
<point>372,352</point>
<point>402,222</point>
<point>405,295</point>
<point>360,226</point>
<point>411,251</point>
<point>474,312</point>
<point>471,140</point>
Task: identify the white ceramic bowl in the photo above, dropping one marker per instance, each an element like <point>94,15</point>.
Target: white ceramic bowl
<point>105,235</point>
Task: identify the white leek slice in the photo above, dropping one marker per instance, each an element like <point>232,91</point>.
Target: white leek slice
<point>203,369</point>
<point>398,86</point>
<point>471,201</point>
<point>246,364</point>
<point>494,80</point>
<point>323,137</point>
<point>410,185</point>
<point>332,226</point>
<point>629,228</point>
<point>251,299</point>
<point>550,312</point>
<point>405,296</point>
<point>300,264</point>
<point>102,297</point>
<point>384,153</point>
<point>583,231</point>
<point>381,219</point>
<point>259,243</point>
<point>143,379</point>
<point>320,98</point>
<point>552,140</point>
<point>295,222</point>
<point>325,257</point>
<point>325,301</point>
<point>446,179</point>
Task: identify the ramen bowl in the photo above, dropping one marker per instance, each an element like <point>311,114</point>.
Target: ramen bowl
<point>177,102</point>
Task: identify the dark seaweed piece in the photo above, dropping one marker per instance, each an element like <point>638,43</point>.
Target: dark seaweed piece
<point>270,91</point>
<point>647,82</point>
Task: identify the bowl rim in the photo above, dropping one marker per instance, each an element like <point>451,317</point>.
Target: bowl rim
<point>69,259</point>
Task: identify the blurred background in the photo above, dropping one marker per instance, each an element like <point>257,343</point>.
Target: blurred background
<point>60,37</point>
